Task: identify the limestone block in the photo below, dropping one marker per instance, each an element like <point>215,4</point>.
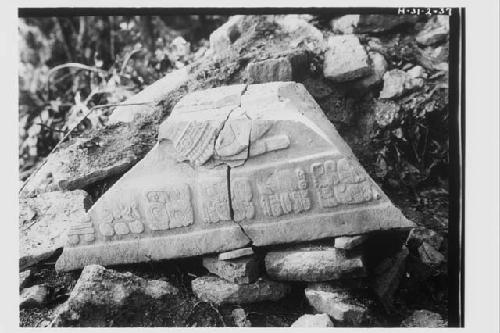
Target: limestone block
<point>348,243</point>
<point>378,68</point>
<point>313,265</point>
<point>280,69</point>
<point>424,318</point>
<point>219,291</point>
<point>222,38</point>
<point>435,31</point>
<point>35,296</point>
<point>100,292</point>
<point>318,320</point>
<point>45,221</point>
<point>337,303</point>
<point>238,164</point>
<point>345,59</point>
<point>241,270</point>
<point>243,252</point>
<point>360,24</point>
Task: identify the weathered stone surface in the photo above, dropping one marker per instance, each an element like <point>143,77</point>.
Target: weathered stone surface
<point>386,111</point>
<point>396,81</point>
<point>421,234</point>
<point>155,92</point>
<point>435,31</point>
<point>291,179</point>
<point>348,243</point>
<point>313,265</point>
<point>240,318</point>
<point>433,58</point>
<point>429,255</point>
<point>219,291</point>
<point>360,24</point>
<point>345,59</point>
<point>337,303</point>
<point>377,70</point>
<point>424,318</point>
<point>318,320</point>
<point>269,70</point>
<point>222,38</point>
<point>242,270</point>
<point>24,278</point>
<point>35,296</point>
<point>44,223</point>
<point>243,252</point>
<point>101,291</point>
<point>387,275</point>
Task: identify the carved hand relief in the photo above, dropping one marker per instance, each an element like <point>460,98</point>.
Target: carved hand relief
<point>284,192</point>
<point>341,182</point>
<point>241,199</point>
<point>215,201</point>
<point>170,208</point>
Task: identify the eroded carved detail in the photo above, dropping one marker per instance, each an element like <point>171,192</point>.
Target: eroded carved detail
<point>341,182</point>
<point>215,201</point>
<point>284,192</point>
<point>168,209</point>
<point>241,199</point>
<point>196,141</point>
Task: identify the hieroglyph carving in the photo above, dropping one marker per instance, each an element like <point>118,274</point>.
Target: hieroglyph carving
<point>170,208</point>
<point>241,199</point>
<point>341,182</point>
<point>284,192</point>
<point>215,201</point>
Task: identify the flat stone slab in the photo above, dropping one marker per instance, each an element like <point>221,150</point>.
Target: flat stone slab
<point>241,270</point>
<point>44,223</point>
<point>337,303</point>
<point>235,165</point>
<point>219,291</point>
<point>243,252</point>
<point>313,265</point>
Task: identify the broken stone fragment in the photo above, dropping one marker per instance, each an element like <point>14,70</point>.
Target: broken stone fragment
<point>421,234</point>
<point>243,252</point>
<point>236,165</point>
<point>377,70</point>
<point>349,243</point>
<point>24,278</point>
<point>219,291</point>
<point>424,318</point>
<point>386,112</point>
<point>44,223</point>
<point>429,255</point>
<point>240,318</point>
<point>436,30</point>
<point>280,69</point>
<point>100,293</point>
<point>387,276</point>
<point>313,265</point>
<point>222,38</point>
<point>242,270</point>
<point>345,59</point>
<point>149,97</point>
<point>35,296</point>
<point>396,81</point>
<point>318,320</point>
<point>360,24</point>
<point>337,303</point>
<point>434,58</point>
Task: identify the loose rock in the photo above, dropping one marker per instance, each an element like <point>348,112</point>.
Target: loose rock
<point>222,38</point>
<point>360,24</point>
<point>240,318</point>
<point>337,303</point>
<point>241,270</point>
<point>24,278</point>
<point>421,234</point>
<point>394,83</point>
<point>378,68</point>
<point>44,223</point>
<point>243,252</point>
<point>318,320</point>
<point>313,265</point>
<point>386,112</point>
<point>429,255</point>
<point>348,243</point>
<point>424,318</point>
<point>219,291</point>
<point>35,296</point>
<point>99,292</point>
<point>345,59</point>
<point>269,70</point>
<point>435,31</point>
